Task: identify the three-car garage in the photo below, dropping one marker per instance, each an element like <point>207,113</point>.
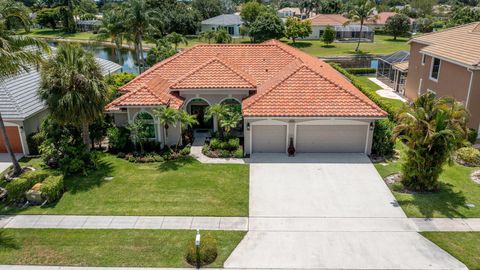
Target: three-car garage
<point>309,136</point>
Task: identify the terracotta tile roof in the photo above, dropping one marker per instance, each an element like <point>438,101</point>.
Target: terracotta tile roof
<point>288,82</point>
<point>328,19</point>
<point>382,18</point>
<point>459,44</point>
<point>216,73</point>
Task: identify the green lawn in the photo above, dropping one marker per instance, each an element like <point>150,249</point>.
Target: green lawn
<point>373,87</point>
<point>139,248</point>
<point>456,190</point>
<point>381,45</point>
<point>184,187</point>
<point>465,246</point>
<point>58,33</point>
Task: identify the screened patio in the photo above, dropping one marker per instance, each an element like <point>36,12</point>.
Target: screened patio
<point>351,33</point>
<point>393,69</point>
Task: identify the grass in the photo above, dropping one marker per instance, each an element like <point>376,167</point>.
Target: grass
<point>382,45</point>
<point>58,33</point>
<point>122,248</point>
<point>465,246</point>
<point>368,85</point>
<point>456,189</point>
<point>183,187</point>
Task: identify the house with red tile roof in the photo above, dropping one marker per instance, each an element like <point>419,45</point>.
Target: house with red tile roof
<point>287,97</point>
<point>344,31</point>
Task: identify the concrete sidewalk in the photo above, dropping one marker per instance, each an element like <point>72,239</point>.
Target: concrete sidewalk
<point>124,222</point>
<point>38,267</point>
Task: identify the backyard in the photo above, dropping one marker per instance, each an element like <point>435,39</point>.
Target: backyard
<point>456,190</point>
<point>139,248</point>
<point>183,187</point>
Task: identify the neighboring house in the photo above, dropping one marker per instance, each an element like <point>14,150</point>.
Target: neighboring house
<point>448,63</point>
<point>286,96</point>
<point>23,110</point>
<point>88,25</point>
<point>343,32</point>
<point>293,12</point>
<point>231,22</point>
<point>381,20</point>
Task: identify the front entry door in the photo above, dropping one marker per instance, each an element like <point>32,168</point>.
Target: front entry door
<point>199,111</point>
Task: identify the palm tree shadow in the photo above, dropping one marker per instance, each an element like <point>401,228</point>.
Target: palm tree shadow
<point>94,178</point>
<point>445,201</point>
<point>7,241</point>
<point>174,165</point>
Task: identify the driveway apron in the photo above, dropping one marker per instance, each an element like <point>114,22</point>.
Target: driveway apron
<point>329,211</point>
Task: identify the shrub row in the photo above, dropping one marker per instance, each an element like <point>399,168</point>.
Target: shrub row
<point>17,187</point>
<point>361,71</point>
<point>165,155</point>
<point>229,144</point>
<point>219,153</point>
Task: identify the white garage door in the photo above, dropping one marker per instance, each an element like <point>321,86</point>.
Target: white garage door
<point>269,139</point>
<point>331,139</point>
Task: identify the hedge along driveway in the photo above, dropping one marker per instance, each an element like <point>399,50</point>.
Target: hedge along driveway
<point>184,187</point>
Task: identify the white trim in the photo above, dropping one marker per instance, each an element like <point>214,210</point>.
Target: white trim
<point>431,69</point>
<point>154,119</point>
<point>230,97</point>
<point>185,104</point>
<point>367,135</point>
<point>469,88</point>
<point>451,61</point>
<point>9,124</point>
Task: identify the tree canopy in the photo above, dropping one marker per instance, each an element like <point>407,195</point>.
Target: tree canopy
<point>296,28</point>
<point>397,25</point>
<point>267,26</point>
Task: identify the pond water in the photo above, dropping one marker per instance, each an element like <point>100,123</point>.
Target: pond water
<point>127,56</point>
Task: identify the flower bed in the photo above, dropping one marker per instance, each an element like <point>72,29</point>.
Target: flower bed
<point>223,148</point>
<point>165,155</point>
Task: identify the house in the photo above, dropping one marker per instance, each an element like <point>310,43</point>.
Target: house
<point>382,17</point>
<point>293,12</point>
<point>447,63</point>
<point>344,32</point>
<point>22,109</point>
<point>287,97</point>
<point>231,22</point>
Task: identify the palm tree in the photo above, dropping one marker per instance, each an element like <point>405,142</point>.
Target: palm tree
<point>176,39</point>
<point>222,36</point>
<point>186,121</point>
<point>207,36</point>
<point>218,111</point>
<point>114,29</point>
<point>432,129</point>
<point>17,55</point>
<point>73,87</point>
<point>362,11</point>
<point>140,20</point>
<point>139,132</point>
<point>168,117</point>
<point>230,121</point>
<point>13,10</point>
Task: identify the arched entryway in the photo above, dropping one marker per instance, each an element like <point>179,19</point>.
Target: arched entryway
<point>198,107</point>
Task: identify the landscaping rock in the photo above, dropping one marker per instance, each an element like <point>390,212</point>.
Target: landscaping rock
<point>476,176</point>
<point>108,178</point>
<point>393,178</point>
<point>470,205</point>
<point>34,196</point>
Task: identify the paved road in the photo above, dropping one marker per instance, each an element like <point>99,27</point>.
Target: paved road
<point>329,211</point>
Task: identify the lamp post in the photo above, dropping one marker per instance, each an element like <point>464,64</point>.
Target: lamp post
<point>197,247</point>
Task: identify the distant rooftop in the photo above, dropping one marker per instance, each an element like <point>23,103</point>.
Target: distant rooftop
<point>328,19</point>
<point>224,19</point>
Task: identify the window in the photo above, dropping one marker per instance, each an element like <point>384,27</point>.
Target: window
<point>435,69</point>
<point>231,30</point>
<point>149,124</point>
<point>423,59</point>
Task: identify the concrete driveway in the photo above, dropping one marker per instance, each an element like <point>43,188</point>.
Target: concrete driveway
<point>6,162</point>
<point>329,211</point>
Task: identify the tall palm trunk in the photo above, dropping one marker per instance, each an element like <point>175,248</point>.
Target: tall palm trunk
<point>16,166</point>
<point>359,35</point>
<point>86,134</point>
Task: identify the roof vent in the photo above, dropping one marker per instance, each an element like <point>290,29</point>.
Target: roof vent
<point>266,70</point>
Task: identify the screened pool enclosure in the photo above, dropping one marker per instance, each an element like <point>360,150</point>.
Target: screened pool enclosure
<point>392,70</point>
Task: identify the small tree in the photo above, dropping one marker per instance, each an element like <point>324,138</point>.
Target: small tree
<point>267,26</point>
<point>296,28</point>
<point>207,36</point>
<point>424,25</point>
<point>397,25</point>
<point>230,121</point>
<point>432,129</point>
<point>168,117</point>
<point>222,36</point>
<point>187,121</point>
<point>328,36</point>
<point>218,111</point>
<point>161,51</point>
<point>138,132</point>
<point>176,39</point>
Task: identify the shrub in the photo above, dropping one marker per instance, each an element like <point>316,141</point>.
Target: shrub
<point>207,252</point>
<point>117,138</point>
<point>185,151</point>
<point>216,143</point>
<point>34,140</point>
<point>361,71</point>
<point>468,156</point>
<point>16,189</point>
<point>224,153</point>
<point>233,144</point>
<point>52,188</point>
<point>238,153</point>
<point>35,177</point>
<point>131,159</point>
<point>472,135</point>
<point>383,144</point>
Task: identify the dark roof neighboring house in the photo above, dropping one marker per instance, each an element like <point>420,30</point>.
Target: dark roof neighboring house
<point>224,19</point>
<point>19,93</point>
<point>459,44</point>
<point>283,81</point>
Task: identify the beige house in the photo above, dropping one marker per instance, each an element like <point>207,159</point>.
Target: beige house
<point>448,63</point>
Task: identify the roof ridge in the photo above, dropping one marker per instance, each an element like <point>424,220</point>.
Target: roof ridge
<point>237,69</point>
<point>444,30</point>
<point>259,96</point>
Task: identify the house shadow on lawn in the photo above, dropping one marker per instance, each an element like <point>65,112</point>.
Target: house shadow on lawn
<point>445,202</point>
<point>176,164</point>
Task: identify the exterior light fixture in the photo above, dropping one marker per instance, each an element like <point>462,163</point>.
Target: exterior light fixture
<point>372,126</point>
<point>248,126</point>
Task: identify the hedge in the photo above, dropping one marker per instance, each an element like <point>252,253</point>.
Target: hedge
<point>17,187</point>
<point>52,188</point>
<point>361,71</point>
<point>371,95</point>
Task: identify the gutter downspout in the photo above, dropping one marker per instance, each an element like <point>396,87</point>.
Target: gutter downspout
<point>469,87</point>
